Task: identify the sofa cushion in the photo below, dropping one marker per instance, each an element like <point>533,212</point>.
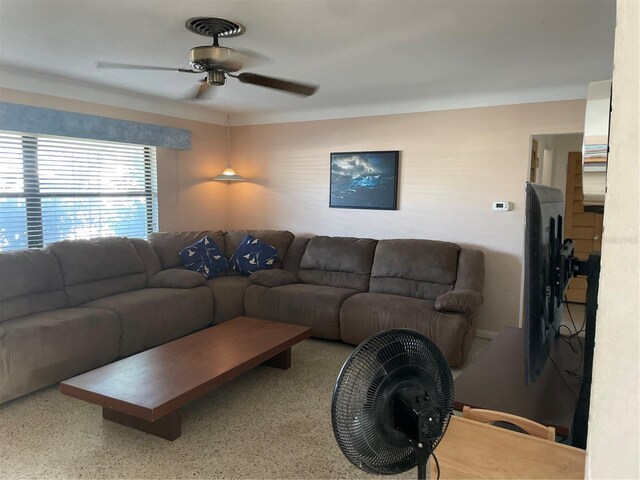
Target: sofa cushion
<point>462,301</point>
<point>148,256</point>
<point>414,268</point>
<point>273,278</point>
<point>176,278</point>
<point>30,282</point>
<point>204,257</point>
<point>44,348</point>
<point>343,262</point>
<point>83,261</point>
<point>154,316</point>
<point>167,245</point>
<point>470,270</point>
<point>252,255</point>
<point>228,293</point>
<point>366,314</point>
<point>99,267</point>
<point>292,259</point>
<point>313,306</point>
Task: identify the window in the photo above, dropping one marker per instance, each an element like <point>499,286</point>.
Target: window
<point>55,188</point>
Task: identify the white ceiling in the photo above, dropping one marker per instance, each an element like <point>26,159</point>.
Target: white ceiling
<point>368,56</point>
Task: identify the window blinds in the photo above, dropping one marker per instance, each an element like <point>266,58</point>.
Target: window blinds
<point>57,188</point>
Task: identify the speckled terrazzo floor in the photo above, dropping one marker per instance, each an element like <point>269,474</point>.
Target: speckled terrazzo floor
<point>267,423</point>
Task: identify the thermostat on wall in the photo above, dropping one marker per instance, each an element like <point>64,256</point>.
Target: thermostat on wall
<point>501,206</point>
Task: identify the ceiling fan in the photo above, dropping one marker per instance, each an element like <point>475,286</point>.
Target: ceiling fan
<point>219,62</point>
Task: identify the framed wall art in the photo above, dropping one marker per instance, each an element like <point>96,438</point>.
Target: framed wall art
<point>364,180</point>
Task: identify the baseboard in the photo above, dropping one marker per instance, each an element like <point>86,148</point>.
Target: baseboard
<point>488,334</point>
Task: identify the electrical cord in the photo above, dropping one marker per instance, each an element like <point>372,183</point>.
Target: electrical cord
<point>560,373</point>
<point>567,339</point>
<point>437,465</point>
<point>576,335</point>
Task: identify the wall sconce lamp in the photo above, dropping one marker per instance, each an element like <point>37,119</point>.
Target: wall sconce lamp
<point>228,174</point>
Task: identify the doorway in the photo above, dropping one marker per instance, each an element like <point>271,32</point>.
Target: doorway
<point>584,227</point>
<point>562,168</point>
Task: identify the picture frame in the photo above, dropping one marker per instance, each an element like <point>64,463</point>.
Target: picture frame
<point>364,180</point>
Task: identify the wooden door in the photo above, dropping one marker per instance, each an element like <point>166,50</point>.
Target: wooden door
<point>584,227</point>
<point>534,160</point>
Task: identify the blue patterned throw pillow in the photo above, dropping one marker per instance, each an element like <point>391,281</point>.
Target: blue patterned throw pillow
<point>252,255</point>
<point>204,257</point>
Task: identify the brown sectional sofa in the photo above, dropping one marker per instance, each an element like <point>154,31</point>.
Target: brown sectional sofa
<point>351,288</point>
<point>77,305</point>
<point>227,289</point>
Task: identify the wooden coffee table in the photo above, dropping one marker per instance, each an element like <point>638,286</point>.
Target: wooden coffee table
<point>145,391</point>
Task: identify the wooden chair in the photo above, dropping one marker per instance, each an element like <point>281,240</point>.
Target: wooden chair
<point>532,428</point>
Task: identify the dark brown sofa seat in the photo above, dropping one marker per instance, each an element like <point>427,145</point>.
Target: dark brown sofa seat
<point>153,316</point>
<point>313,306</point>
<point>429,286</point>
<point>366,314</point>
<point>331,270</point>
<point>47,347</point>
<point>228,291</point>
<point>41,340</point>
<point>115,274</point>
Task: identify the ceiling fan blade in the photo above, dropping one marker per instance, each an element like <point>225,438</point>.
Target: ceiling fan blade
<point>127,66</point>
<point>278,84</point>
<point>202,90</point>
<point>251,57</point>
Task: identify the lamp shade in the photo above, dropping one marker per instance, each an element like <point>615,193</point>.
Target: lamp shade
<point>229,175</point>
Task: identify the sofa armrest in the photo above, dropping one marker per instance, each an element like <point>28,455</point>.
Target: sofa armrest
<point>462,301</point>
<point>273,278</point>
<point>176,278</point>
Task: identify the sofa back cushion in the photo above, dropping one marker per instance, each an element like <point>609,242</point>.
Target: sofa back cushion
<point>148,256</point>
<point>167,245</point>
<point>338,262</point>
<point>30,282</point>
<point>414,268</point>
<point>99,267</point>
<point>279,239</point>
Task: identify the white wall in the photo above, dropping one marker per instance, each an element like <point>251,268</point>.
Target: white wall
<point>613,448</point>
<point>453,165</point>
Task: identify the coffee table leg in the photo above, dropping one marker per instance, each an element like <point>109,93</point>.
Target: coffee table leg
<point>281,360</point>
<point>167,427</point>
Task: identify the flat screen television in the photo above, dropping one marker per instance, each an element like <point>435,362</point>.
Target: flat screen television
<point>547,272</point>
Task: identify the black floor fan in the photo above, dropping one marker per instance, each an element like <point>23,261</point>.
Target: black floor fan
<point>392,403</point>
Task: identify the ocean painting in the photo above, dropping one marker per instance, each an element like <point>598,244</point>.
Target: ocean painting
<point>364,180</point>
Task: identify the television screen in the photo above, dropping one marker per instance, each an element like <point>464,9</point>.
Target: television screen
<point>544,280</point>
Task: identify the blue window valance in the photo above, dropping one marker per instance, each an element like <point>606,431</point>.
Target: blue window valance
<point>47,121</point>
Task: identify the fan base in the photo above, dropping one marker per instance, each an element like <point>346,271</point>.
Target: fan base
<point>208,57</point>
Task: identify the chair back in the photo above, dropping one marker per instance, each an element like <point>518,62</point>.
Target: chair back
<point>532,428</point>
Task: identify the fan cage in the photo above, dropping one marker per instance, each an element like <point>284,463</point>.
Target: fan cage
<point>359,394</point>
